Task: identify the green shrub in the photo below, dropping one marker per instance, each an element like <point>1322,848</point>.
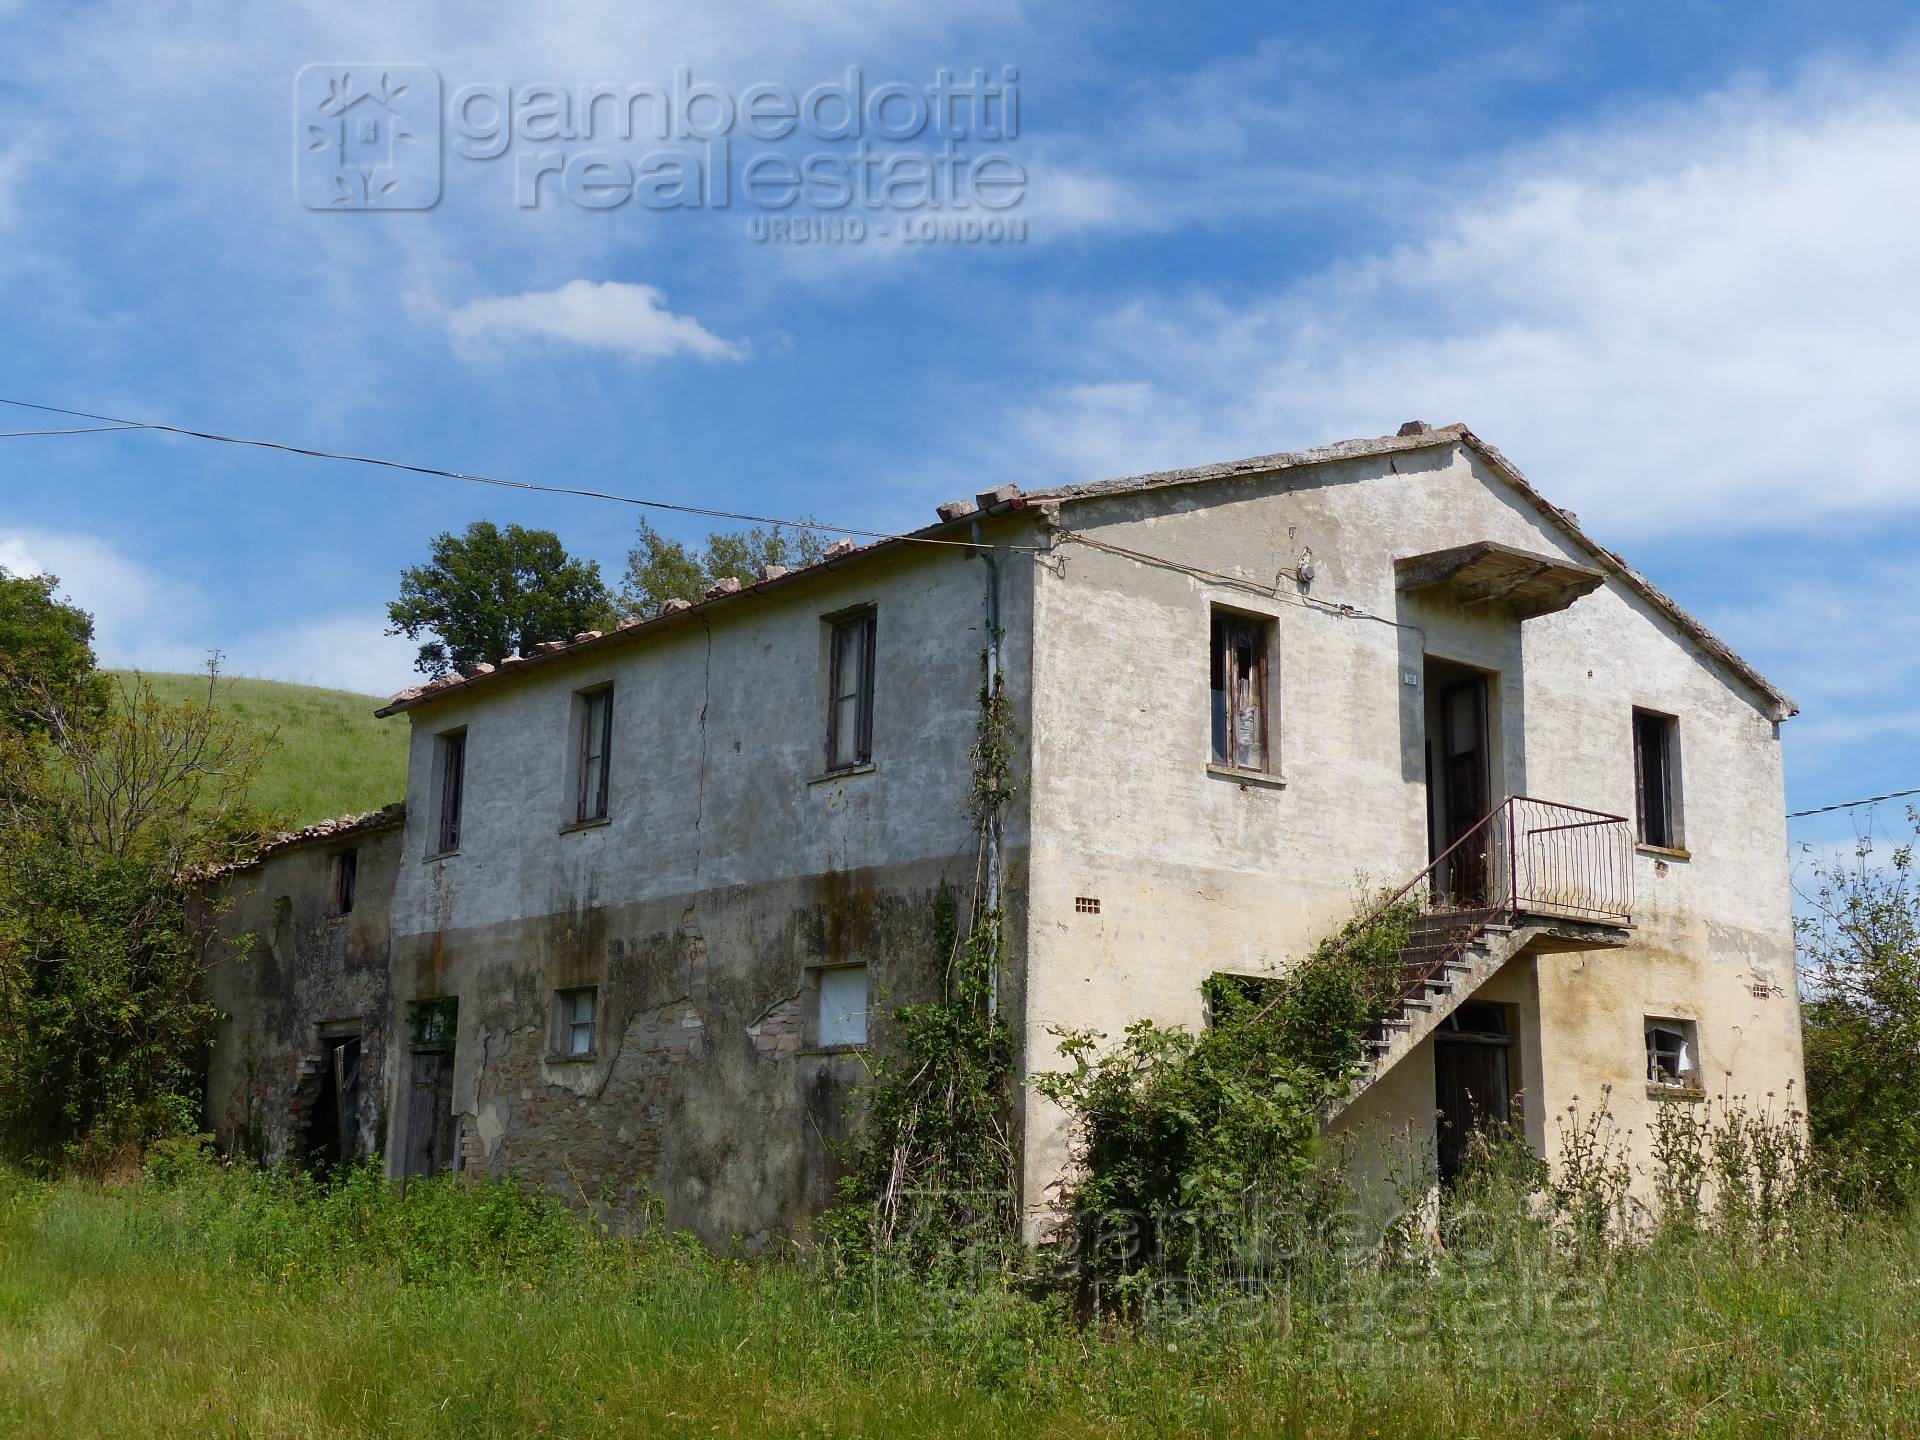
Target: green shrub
<point>1187,1144</point>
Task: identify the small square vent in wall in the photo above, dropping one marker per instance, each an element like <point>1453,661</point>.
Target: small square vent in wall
<point>1087,904</point>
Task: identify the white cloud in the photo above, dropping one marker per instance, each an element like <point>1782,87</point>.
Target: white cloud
<point>149,621</point>
<point>628,320</point>
<point>340,652</point>
<point>125,598</point>
<point>1701,315</point>
<point>1841,634</point>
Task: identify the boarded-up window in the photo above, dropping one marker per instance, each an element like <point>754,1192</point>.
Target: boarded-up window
<point>1656,788</point>
<point>592,761</point>
<point>850,691</point>
<point>452,768</point>
<point>1241,729</point>
<point>843,1005</point>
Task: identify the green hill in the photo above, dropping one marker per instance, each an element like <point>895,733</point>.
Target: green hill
<point>329,756</point>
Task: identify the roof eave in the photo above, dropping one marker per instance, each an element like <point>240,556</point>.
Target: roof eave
<point>664,621</point>
<point>1780,706</point>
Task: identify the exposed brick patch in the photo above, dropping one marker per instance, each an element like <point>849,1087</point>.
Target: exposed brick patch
<point>780,1029</point>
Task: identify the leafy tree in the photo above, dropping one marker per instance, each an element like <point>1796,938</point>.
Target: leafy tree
<point>111,813</point>
<point>659,568</point>
<point>1860,953</point>
<point>46,649</point>
<point>491,591</point>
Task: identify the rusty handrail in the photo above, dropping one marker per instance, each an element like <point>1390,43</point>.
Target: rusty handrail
<point>1588,879</point>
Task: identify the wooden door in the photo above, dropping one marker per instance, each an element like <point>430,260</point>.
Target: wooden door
<point>430,1113</point>
<point>1471,1093</point>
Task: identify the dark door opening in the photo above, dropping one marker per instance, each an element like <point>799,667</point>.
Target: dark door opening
<point>1459,780</point>
<point>333,1125</point>
<point>432,1138</point>
<point>1472,1074</point>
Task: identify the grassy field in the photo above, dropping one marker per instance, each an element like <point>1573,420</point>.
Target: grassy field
<point>329,755</point>
<point>239,1305</point>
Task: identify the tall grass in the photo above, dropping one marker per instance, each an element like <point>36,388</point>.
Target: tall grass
<point>210,1302</point>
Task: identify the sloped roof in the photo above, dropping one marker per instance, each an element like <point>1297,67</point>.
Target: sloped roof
<point>957,517</point>
<point>1425,439</point>
<point>384,818</point>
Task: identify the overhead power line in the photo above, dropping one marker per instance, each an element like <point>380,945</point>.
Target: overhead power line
<point>112,423</point>
<point>81,430</point>
<point>1852,804</point>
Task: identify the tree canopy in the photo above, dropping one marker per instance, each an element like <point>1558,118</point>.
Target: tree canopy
<point>659,568</point>
<point>46,652</point>
<point>494,591</point>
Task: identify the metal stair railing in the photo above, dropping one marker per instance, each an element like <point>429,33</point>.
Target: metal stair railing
<point>1524,856</point>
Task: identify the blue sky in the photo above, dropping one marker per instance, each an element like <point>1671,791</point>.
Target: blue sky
<point>1662,255</point>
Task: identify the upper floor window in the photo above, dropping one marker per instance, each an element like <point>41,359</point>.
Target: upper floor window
<point>1241,728</point>
<point>450,769</point>
<point>850,691</point>
<point>1656,778</point>
<point>346,873</point>
<point>593,746</point>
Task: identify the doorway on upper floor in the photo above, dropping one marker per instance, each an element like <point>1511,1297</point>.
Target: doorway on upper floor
<point>1460,789</point>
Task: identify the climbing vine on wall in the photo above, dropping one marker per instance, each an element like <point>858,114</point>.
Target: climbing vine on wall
<point>933,1169</point>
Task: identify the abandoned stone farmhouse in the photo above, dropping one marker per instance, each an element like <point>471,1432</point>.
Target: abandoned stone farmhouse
<point>652,894</point>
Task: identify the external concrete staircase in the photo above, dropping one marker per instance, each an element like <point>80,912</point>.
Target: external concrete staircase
<point>1542,878</point>
<point>1450,956</point>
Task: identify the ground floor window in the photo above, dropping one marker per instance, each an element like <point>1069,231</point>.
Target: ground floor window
<point>573,1020</point>
<point>1673,1053</point>
<point>843,1006</point>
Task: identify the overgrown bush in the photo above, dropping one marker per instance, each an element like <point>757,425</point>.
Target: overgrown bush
<point>1186,1143</point>
<point>1860,954</point>
<point>933,1166</point>
<point>107,815</point>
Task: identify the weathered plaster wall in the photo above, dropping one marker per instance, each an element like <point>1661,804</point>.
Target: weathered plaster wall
<point>304,967</point>
<point>727,872</point>
<point>1198,872</point>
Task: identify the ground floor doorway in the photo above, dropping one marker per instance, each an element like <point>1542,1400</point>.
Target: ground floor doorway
<point>1473,1059</point>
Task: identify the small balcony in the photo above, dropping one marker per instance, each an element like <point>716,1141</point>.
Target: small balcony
<point>1536,857</point>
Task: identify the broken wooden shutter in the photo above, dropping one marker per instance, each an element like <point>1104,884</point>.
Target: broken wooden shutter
<point>345,1058</point>
<point>606,752</point>
<point>345,873</point>
<point>453,766</point>
<point>595,755</point>
<point>1653,778</point>
<point>1240,731</point>
<point>864,746</point>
